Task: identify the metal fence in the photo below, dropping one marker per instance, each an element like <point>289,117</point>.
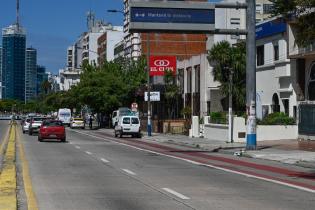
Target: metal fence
<point>307,119</point>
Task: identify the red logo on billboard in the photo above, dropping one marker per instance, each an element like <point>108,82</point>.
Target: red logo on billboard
<point>160,64</point>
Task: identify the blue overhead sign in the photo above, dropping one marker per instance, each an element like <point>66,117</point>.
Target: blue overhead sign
<point>270,28</point>
<point>172,15</point>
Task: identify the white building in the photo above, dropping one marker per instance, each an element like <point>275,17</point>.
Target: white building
<point>107,42</point>
<point>274,79</point>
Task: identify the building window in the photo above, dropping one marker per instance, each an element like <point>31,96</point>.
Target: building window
<point>276,52</point>
<point>286,106</point>
<point>268,8</point>
<point>258,8</point>
<point>197,79</point>
<point>311,84</point>
<point>235,21</point>
<point>181,80</point>
<point>189,80</point>
<point>260,55</point>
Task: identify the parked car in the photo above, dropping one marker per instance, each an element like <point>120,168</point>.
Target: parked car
<point>52,129</point>
<point>26,124</point>
<point>35,124</point>
<point>77,123</point>
<point>128,125</point>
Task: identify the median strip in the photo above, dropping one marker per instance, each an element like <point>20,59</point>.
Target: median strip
<point>8,174</point>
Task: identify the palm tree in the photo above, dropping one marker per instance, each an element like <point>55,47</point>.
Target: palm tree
<point>226,58</point>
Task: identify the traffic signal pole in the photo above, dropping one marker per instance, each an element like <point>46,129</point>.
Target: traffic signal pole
<point>251,142</point>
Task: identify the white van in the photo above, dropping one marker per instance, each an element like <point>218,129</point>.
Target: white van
<point>64,115</point>
<point>128,125</point>
<point>122,111</point>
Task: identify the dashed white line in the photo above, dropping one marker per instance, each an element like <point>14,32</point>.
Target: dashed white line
<point>208,165</point>
<point>87,152</point>
<point>104,160</point>
<point>77,147</point>
<point>181,196</point>
<point>129,172</point>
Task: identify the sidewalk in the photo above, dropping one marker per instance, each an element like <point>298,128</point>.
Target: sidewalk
<point>301,153</point>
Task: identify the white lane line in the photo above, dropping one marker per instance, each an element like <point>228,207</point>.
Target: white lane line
<point>129,172</point>
<point>210,166</point>
<point>104,160</point>
<point>181,196</point>
<point>77,147</point>
<point>87,152</point>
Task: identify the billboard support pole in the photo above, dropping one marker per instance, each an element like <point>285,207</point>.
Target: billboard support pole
<point>149,125</point>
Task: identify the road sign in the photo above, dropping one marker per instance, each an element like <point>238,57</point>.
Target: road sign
<point>160,64</point>
<point>171,16</point>
<point>154,96</point>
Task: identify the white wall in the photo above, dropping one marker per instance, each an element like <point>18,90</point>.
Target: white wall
<point>113,37</point>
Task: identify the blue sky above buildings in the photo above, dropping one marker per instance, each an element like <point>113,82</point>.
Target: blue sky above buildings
<point>53,25</point>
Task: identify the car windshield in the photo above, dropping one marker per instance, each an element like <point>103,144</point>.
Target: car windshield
<point>38,119</point>
<point>134,120</point>
<point>126,120</point>
<point>78,119</point>
<point>52,123</point>
<point>65,114</point>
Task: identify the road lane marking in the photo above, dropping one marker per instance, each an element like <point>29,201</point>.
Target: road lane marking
<point>104,160</point>
<point>77,147</point>
<point>87,152</point>
<point>8,197</point>
<point>129,172</point>
<point>284,183</point>
<point>177,194</point>
<point>27,181</point>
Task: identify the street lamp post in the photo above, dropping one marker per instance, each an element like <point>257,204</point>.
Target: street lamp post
<point>149,126</point>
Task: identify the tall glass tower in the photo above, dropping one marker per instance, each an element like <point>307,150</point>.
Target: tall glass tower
<point>13,62</point>
<point>30,74</point>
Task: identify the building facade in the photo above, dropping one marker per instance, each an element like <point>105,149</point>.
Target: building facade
<point>106,44</point>
<point>13,62</point>
<point>30,74</point>
<point>303,66</point>
<point>274,78</point>
<point>41,77</point>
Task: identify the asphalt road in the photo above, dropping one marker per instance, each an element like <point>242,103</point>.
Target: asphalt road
<point>100,173</point>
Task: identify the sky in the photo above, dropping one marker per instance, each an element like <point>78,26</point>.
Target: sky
<point>53,25</point>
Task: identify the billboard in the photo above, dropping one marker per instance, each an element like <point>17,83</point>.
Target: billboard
<point>270,28</point>
<point>172,16</point>
<point>159,64</point>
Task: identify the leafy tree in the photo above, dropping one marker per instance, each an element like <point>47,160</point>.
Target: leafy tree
<point>224,58</point>
<point>171,93</point>
<point>302,11</point>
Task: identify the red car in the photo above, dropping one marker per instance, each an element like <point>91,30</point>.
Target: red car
<point>52,129</point>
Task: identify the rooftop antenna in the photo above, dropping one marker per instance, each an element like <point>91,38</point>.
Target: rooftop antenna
<point>18,13</point>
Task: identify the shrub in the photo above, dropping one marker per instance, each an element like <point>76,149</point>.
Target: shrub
<point>218,117</point>
<point>277,118</point>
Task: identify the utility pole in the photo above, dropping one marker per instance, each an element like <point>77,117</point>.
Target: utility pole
<point>230,105</point>
<point>149,126</point>
<point>251,75</point>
